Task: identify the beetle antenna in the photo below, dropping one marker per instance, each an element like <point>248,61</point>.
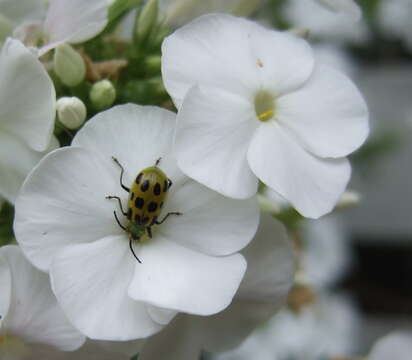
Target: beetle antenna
<point>131,248</point>
<point>158,161</point>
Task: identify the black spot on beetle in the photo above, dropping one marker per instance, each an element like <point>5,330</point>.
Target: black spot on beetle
<point>138,219</point>
<point>139,178</point>
<point>139,203</point>
<point>145,220</point>
<point>157,189</point>
<point>152,207</point>
<point>145,185</point>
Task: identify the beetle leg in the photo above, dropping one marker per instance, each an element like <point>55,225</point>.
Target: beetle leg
<point>121,174</point>
<point>167,215</point>
<point>118,221</point>
<point>149,231</point>
<point>169,183</point>
<point>131,248</point>
<point>120,203</point>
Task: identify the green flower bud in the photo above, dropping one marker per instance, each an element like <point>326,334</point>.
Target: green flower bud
<point>69,65</point>
<point>71,112</point>
<point>102,94</point>
<point>146,19</point>
<point>153,64</point>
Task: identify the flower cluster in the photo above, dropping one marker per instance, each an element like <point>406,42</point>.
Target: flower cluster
<point>143,232</point>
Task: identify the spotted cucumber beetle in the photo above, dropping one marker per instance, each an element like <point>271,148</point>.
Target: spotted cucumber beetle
<point>146,198</point>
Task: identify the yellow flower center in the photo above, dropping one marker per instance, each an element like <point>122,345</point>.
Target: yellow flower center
<point>264,106</point>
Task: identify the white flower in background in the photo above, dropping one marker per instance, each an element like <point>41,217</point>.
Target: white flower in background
<point>66,226</point>
<point>328,19</point>
<point>253,104</point>
<point>394,17</point>
<point>396,345</point>
<point>27,112</point>
<point>328,328</point>
<point>31,324</point>
<point>73,22</point>
<point>262,292</point>
<point>326,254</point>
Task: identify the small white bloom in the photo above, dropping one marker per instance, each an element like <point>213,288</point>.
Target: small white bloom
<point>66,226</point>
<point>396,345</point>
<point>31,322</point>
<point>253,103</point>
<point>27,112</point>
<point>73,21</point>
<point>262,292</point>
<point>328,19</point>
<point>71,112</point>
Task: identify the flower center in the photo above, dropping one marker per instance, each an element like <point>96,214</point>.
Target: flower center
<point>264,105</point>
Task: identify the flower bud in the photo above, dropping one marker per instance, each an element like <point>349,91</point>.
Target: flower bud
<point>146,19</point>
<point>102,94</point>
<point>71,112</point>
<point>69,65</point>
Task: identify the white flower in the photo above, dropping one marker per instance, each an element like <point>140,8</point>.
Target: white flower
<point>27,111</point>
<point>325,329</point>
<point>31,324</point>
<point>66,226</point>
<point>396,345</point>
<point>254,104</point>
<point>394,17</point>
<point>262,292</point>
<point>326,254</point>
<point>338,20</point>
<point>73,21</point>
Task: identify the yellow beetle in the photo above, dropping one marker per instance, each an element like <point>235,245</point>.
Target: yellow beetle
<point>146,198</point>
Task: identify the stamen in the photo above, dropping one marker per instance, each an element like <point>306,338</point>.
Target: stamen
<point>266,115</point>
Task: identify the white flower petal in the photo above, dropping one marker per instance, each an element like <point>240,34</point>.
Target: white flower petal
<point>397,345</point>
<point>328,114</point>
<point>233,54</point>
<point>175,277</point>
<point>5,286</point>
<point>23,10</point>
<point>160,315</point>
<point>137,136</point>
<point>75,21</point>
<point>34,314</point>
<point>271,264</point>
<point>211,50</point>
<point>312,185</point>
<point>91,281</point>
<point>230,224</point>
<point>16,161</point>
<point>213,132</point>
<point>27,96</point>
<point>63,202</point>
